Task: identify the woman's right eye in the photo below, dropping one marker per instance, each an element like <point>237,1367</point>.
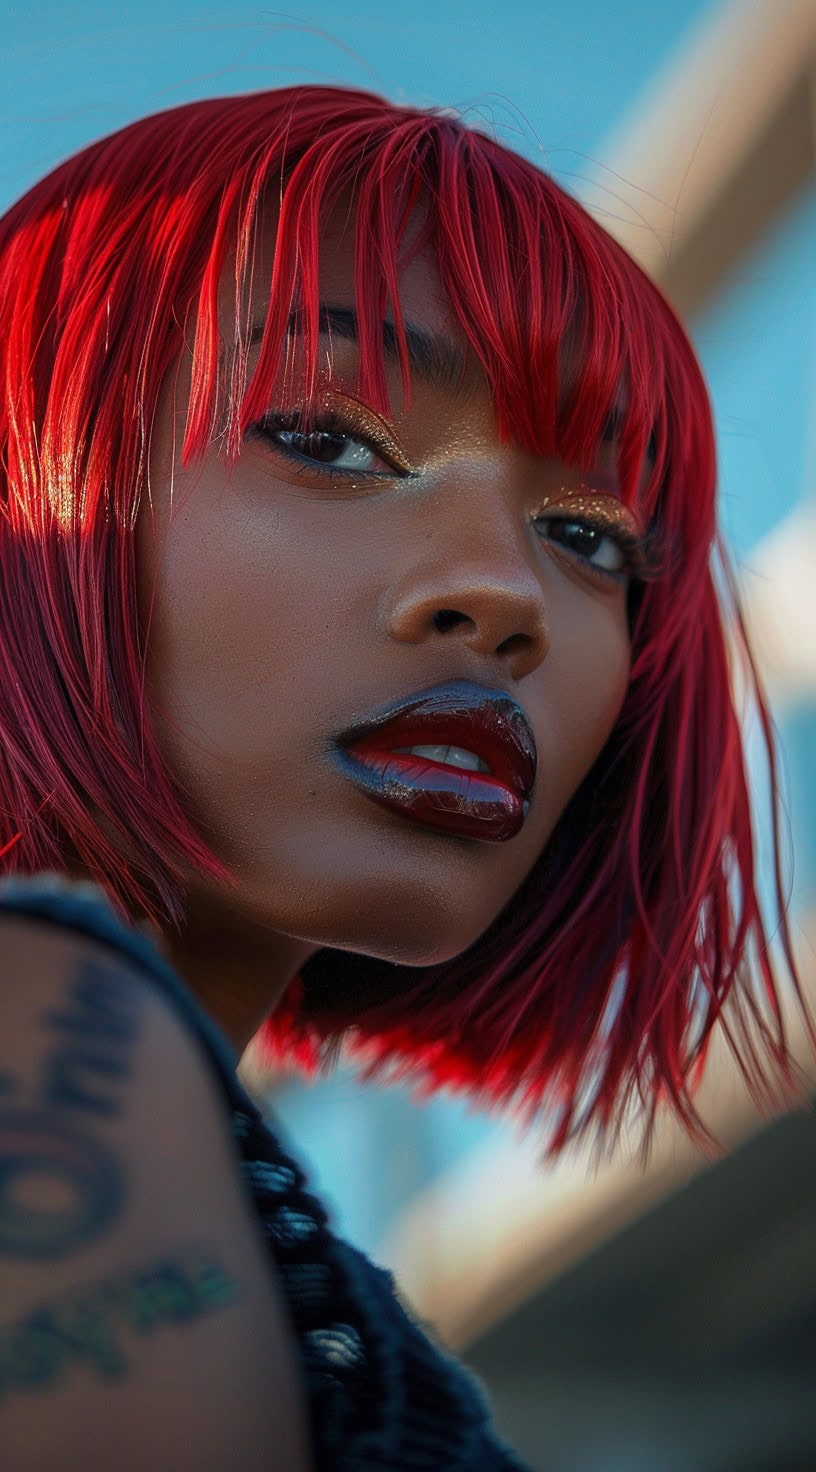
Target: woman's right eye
<point>324,446</point>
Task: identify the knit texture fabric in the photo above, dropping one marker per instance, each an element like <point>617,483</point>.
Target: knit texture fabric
<point>381,1391</point>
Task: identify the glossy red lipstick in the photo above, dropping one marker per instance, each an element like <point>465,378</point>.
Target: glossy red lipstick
<point>490,806</point>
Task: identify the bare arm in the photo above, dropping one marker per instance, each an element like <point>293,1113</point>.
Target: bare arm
<point>141,1325</point>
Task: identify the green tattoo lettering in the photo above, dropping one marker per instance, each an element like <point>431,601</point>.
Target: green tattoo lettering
<point>101,1026</point>
<point>38,1144</point>
<point>86,1325</point>
<point>81,1076</point>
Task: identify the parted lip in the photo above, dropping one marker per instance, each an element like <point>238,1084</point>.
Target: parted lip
<point>458,713</point>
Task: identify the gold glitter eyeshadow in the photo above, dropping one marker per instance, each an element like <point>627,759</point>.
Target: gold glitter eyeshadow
<point>358,416</point>
<point>602,506</point>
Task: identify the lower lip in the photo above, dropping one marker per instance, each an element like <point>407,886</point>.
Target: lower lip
<point>449,799</point>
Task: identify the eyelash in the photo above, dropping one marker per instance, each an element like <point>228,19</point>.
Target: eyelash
<point>328,423</point>
<point>632,546</point>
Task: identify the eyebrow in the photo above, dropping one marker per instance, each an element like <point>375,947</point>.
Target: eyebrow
<point>433,358</point>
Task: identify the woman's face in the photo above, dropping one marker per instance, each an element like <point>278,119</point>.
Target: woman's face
<point>281,605</point>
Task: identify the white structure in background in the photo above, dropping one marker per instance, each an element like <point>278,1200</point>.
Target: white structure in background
<point>779,593</point>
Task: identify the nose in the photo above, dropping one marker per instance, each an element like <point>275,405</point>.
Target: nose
<point>485,597</point>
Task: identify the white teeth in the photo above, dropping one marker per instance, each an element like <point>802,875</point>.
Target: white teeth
<point>450,756</point>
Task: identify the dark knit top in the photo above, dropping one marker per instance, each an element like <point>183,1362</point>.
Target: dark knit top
<point>381,1391</point>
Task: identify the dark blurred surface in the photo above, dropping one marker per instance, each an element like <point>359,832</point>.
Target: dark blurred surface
<point>687,1343</point>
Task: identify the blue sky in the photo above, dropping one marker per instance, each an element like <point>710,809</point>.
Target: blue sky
<point>560,72</point>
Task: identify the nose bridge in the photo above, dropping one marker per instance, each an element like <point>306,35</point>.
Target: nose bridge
<point>471,575</point>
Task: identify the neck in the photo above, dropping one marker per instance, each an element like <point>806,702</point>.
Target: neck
<point>237,967</point>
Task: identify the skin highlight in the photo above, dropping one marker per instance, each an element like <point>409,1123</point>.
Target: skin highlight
<point>280,605</point>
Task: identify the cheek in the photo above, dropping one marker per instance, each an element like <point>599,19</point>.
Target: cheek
<point>242,631</point>
<point>588,677</point>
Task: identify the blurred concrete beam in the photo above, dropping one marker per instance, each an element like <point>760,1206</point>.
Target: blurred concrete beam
<point>715,150</point>
<point>499,1226</point>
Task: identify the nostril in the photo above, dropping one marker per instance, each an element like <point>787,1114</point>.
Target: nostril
<point>446,618</point>
<point>514,642</point>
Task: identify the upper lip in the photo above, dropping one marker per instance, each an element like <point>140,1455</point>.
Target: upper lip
<point>458,713</point>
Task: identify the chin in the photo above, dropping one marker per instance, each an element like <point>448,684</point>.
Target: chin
<point>414,944</point>
<point>424,924</point>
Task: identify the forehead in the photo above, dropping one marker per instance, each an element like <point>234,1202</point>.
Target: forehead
<point>422,297</point>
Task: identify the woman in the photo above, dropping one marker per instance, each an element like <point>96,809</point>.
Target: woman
<point>360,642</point>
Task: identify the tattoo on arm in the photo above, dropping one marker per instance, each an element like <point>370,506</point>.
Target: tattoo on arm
<point>86,1325</point>
<point>48,1136</point>
<point>87,1063</point>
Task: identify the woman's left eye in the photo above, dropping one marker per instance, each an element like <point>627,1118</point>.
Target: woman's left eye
<point>611,554</point>
<point>323,446</point>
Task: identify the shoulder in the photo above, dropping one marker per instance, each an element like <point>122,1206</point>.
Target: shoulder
<point>129,1249</point>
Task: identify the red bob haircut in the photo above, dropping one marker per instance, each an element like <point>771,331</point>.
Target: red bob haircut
<point>599,984</point>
